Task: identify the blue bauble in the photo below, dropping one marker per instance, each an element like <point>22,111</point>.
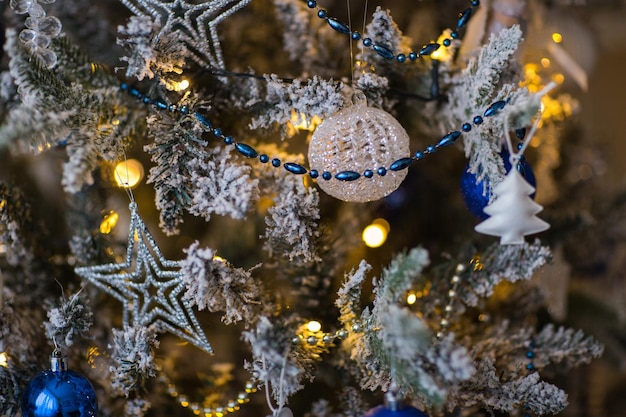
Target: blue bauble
<point>59,394</point>
<point>472,191</point>
<point>402,411</point>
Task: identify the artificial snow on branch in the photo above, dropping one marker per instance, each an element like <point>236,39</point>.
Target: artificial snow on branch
<point>133,354</point>
<point>67,320</point>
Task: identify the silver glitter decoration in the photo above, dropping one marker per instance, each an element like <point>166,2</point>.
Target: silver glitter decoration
<point>149,287</point>
<point>358,138</point>
<point>190,21</point>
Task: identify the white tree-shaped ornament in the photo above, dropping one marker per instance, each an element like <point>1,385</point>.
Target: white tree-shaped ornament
<point>513,211</point>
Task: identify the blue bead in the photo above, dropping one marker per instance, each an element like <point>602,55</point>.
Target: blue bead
<point>217,132</point>
<point>314,173</point>
<point>368,173</point>
<point>478,120</point>
<point>246,150</point>
<point>264,158</point>
<point>327,175</point>
<point>520,133</point>
<point>464,17</point>
<point>530,354</point>
<point>447,42</point>
<point>448,139</point>
<point>400,164</point>
<point>413,56</point>
<point>159,103</point>
<point>311,4</point>
<point>475,3</point>
<point>123,86</point>
<point>419,155</point>
<point>64,393</point>
<point>466,127</point>
<point>184,110</point>
<point>494,108</point>
<point>429,49</point>
<point>401,58</point>
<point>321,13</point>
<point>356,36</point>
<point>431,149</point>
<point>383,51</point>
<point>228,140</point>
<point>338,26</point>
<point>368,42</point>
<point>146,100</point>
<point>172,107</point>
<point>454,34</point>
<point>530,366</point>
<point>276,162</point>
<point>347,176</point>
<point>202,119</point>
<point>294,168</point>
<point>134,92</point>
<point>406,411</point>
<point>382,171</point>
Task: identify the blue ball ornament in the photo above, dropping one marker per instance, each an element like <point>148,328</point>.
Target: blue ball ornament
<point>59,392</point>
<point>472,191</point>
<point>401,411</point>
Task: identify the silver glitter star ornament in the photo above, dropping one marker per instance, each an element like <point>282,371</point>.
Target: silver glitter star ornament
<point>190,21</point>
<point>149,286</point>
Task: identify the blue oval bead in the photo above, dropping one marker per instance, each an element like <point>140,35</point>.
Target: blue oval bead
<point>382,171</point>
<point>202,119</point>
<point>454,34</point>
<point>347,175</point>
<point>419,155</point>
<point>464,17</point>
<point>383,51</point>
<point>327,175</point>
<point>338,26</point>
<point>520,133</point>
<point>530,354</point>
<point>466,127</point>
<point>494,108</point>
<point>449,139</point>
<point>294,168</point>
<point>314,173</point>
<point>356,36</point>
<point>368,42</point>
<point>475,3</point>
<point>478,120</point>
<point>275,162</point>
<point>400,164</point>
<point>246,150</point>
<point>134,92</point>
<point>159,103</point>
<point>429,49</point>
<point>368,173</point>
<point>146,100</point>
<point>264,158</point>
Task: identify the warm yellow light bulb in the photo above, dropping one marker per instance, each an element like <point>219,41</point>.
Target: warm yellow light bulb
<point>545,62</point>
<point>300,122</point>
<point>375,234</point>
<point>314,326</point>
<point>4,359</point>
<point>411,298</point>
<point>218,258</point>
<point>182,85</point>
<point>557,37</point>
<point>109,222</point>
<point>128,173</point>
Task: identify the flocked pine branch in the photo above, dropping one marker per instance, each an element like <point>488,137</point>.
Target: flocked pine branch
<point>564,347</point>
<point>216,285</point>
<point>132,353</point>
<point>68,320</point>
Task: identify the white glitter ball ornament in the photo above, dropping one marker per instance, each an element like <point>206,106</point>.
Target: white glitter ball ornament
<point>359,138</point>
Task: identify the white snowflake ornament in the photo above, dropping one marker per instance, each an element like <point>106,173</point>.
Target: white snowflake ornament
<point>357,145</point>
<point>513,211</point>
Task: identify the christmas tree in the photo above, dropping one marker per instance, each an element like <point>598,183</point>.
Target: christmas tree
<point>298,243</point>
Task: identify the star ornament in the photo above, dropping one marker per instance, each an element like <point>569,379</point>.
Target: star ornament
<point>193,22</point>
<point>149,287</point>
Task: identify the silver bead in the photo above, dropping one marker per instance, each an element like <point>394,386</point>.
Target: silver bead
<point>448,308</point>
<point>460,268</point>
<point>342,334</point>
<point>327,339</point>
<point>444,322</point>
<point>455,279</point>
<point>311,340</point>
<point>356,327</point>
<point>451,293</point>
<point>296,340</point>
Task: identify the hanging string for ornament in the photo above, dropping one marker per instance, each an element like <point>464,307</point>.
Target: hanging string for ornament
<point>512,213</point>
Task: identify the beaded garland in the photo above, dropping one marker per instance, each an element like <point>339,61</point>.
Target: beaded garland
<point>383,50</point>
<point>298,169</point>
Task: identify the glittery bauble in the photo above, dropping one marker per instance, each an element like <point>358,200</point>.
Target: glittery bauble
<point>405,411</point>
<point>472,191</point>
<point>359,138</point>
<point>59,394</point>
